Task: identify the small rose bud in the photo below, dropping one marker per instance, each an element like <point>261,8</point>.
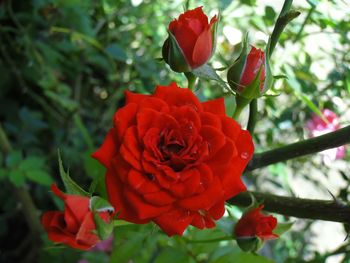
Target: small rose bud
<point>254,228</point>
<point>75,226</point>
<point>191,41</point>
<point>247,75</point>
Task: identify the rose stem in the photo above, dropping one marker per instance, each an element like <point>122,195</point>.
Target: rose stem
<point>253,113</point>
<point>191,80</point>
<point>328,210</point>
<point>301,148</point>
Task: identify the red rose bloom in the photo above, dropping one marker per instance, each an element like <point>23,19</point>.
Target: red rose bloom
<point>255,224</point>
<point>255,60</point>
<point>74,226</point>
<point>173,160</point>
<point>194,36</point>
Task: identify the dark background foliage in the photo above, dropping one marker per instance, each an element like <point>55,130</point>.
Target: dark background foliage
<point>64,65</point>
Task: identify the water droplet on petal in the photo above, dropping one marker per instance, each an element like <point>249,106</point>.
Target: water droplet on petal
<point>244,155</point>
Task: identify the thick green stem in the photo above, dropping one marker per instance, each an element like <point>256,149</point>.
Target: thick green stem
<point>241,103</point>
<point>253,113</point>
<point>286,15</point>
<point>191,80</point>
<point>328,210</point>
<point>301,148</point>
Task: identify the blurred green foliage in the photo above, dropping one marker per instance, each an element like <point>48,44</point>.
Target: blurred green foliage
<point>64,65</point>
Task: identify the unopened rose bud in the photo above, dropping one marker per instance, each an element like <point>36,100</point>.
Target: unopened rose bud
<point>191,41</point>
<point>254,228</point>
<point>247,75</point>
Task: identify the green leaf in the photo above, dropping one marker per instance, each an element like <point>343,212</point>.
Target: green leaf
<point>207,72</point>
<point>281,228</point>
<point>3,173</point>
<point>39,176</point>
<point>240,257</point>
<point>172,255</point>
<point>280,76</point>
<point>13,159</point>
<point>71,186</point>
<point>296,88</point>
<point>116,52</point>
<point>347,83</point>
<point>17,177</point>
<point>270,14</point>
<point>32,163</point>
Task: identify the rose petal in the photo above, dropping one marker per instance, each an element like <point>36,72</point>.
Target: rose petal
<point>131,149</point>
<point>107,150</point>
<point>186,39</point>
<point>224,155</point>
<point>230,127</point>
<point>186,114</point>
<point>85,236</point>
<point>174,222</point>
<point>124,118</point>
<point>196,13</point>
<point>203,48</point>
<point>206,199</point>
<point>131,97</point>
<point>75,209</point>
<point>210,119</point>
<point>117,198</point>
<point>160,198</point>
<point>57,236</point>
<point>216,106</point>
<point>142,209</point>
<point>141,183</point>
<point>149,118</point>
<point>175,96</point>
<point>214,137</point>
<point>188,184</point>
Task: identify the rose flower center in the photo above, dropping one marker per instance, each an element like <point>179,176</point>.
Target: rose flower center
<point>177,149</point>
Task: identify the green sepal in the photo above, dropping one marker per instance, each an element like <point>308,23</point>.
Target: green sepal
<point>173,55</point>
<point>234,73</point>
<point>98,204</point>
<point>281,228</point>
<point>252,91</point>
<point>249,244</point>
<point>269,78</point>
<point>103,229</point>
<point>215,34</point>
<point>70,186</point>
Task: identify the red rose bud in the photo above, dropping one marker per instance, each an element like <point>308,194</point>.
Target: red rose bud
<point>255,64</point>
<point>173,160</point>
<point>250,76</point>
<point>254,227</point>
<point>75,226</point>
<point>191,41</point>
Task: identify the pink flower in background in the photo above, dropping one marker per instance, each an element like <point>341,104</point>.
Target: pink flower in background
<point>104,245</point>
<point>316,126</point>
